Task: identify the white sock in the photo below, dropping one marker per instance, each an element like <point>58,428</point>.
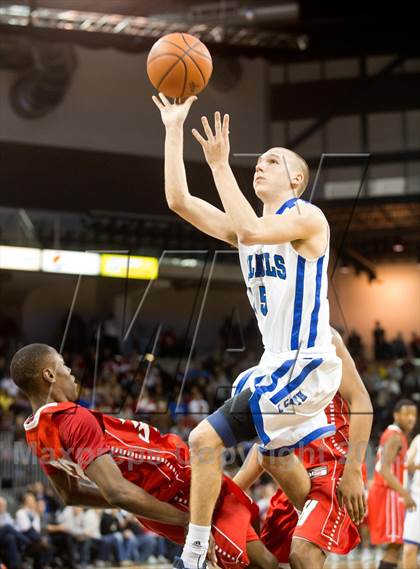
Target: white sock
<point>196,545</point>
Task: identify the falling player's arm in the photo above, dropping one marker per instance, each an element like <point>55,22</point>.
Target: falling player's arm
<point>351,489</point>
<point>297,224</point>
<point>250,471</point>
<point>113,491</point>
<point>203,215</point>
<point>121,493</point>
<point>74,493</point>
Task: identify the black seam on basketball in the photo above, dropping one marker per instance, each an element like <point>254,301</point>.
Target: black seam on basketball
<point>169,71</point>
<point>191,47</point>
<point>164,55</point>
<point>198,67</point>
<point>185,77</point>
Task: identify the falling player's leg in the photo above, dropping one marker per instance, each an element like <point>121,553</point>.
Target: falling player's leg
<point>260,557</point>
<point>305,554</point>
<point>391,556</point>
<point>409,560</point>
<point>291,475</point>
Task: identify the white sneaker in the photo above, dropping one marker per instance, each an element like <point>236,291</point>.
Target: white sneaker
<point>152,560</point>
<point>162,559</point>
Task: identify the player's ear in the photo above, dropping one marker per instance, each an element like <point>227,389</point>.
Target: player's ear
<point>48,375</point>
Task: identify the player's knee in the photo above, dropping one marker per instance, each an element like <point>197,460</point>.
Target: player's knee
<point>305,554</point>
<point>203,436</point>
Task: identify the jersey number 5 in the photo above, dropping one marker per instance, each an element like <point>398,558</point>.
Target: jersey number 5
<point>263,301</point>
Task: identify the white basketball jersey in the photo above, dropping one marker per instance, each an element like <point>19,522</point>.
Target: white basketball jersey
<point>414,454</point>
<point>288,294</point>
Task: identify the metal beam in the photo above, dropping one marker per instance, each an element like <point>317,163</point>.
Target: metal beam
<point>345,92</point>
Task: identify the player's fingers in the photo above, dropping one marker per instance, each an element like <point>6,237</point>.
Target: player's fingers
<point>198,137</point>
<point>157,103</point>
<point>207,128</point>
<point>362,509</point>
<point>225,127</point>
<point>190,101</point>
<point>164,100</point>
<point>217,123</point>
<point>356,511</point>
<point>349,508</point>
<point>340,498</point>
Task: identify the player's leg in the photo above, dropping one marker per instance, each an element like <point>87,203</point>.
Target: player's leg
<point>304,554</point>
<point>228,426</point>
<point>391,556</point>
<point>291,475</point>
<point>260,557</point>
<point>409,558</point>
<point>206,449</point>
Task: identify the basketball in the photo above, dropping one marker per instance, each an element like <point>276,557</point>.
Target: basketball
<point>179,65</point>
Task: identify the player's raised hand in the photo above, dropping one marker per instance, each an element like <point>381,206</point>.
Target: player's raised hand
<point>216,146</point>
<point>173,114</point>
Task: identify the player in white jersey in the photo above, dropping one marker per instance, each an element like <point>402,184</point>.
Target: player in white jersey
<point>284,258</point>
<point>412,521</point>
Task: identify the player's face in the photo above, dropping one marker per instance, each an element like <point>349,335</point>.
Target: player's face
<point>406,417</point>
<point>272,173</point>
<point>66,382</point>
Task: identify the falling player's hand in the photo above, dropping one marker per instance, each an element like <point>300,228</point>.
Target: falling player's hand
<point>216,147</point>
<point>211,553</point>
<point>173,114</point>
<point>351,494</point>
<point>409,503</point>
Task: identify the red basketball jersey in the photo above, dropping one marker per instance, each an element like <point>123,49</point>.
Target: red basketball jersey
<point>399,465</point>
<point>157,463</point>
<point>335,447</point>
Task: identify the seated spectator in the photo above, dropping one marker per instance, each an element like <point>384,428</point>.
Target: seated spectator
<point>60,536</point>
<point>86,532</point>
<point>112,539</point>
<point>146,543</point>
<point>198,407</point>
<point>12,542</point>
<point>28,521</point>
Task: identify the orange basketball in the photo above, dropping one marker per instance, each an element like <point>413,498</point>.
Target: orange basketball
<point>179,65</point>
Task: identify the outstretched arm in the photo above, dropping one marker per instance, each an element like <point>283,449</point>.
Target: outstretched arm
<point>249,228</point>
<point>351,490</point>
<point>206,217</point>
<point>112,490</point>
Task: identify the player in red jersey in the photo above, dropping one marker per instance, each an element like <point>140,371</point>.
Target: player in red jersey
<point>326,525</point>
<point>131,464</point>
<point>388,498</point>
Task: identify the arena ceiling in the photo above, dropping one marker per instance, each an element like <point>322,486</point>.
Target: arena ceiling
<point>301,29</point>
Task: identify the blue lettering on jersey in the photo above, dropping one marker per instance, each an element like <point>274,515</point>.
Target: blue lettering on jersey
<point>296,399</point>
<point>260,265</point>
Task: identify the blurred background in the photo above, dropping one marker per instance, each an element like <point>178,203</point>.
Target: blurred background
<point>81,166</point>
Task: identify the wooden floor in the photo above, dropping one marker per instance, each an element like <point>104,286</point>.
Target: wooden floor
<point>352,561</point>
